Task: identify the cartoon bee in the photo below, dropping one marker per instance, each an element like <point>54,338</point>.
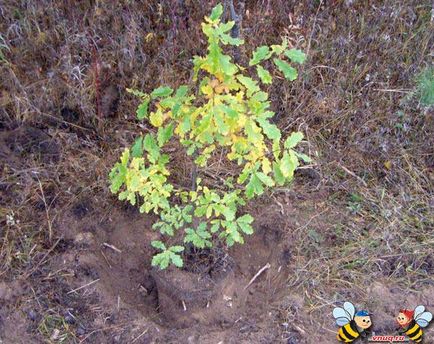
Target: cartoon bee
<point>353,325</point>
<point>411,322</point>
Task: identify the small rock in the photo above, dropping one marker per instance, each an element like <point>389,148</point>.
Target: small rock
<point>32,315</point>
<point>193,339</point>
<point>225,324</point>
<point>55,334</point>
<point>81,330</point>
<point>247,328</point>
<point>69,318</point>
<point>84,238</point>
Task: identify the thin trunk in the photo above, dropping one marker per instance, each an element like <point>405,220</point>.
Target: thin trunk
<point>236,29</point>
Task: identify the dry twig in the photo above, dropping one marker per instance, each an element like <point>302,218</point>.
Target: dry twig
<point>265,267</point>
<point>83,286</point>
<point>114,248</point>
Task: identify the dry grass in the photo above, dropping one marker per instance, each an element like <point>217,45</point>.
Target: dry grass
<point>370,136</point>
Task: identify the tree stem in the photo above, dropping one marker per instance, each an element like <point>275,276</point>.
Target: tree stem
<point>194,173</point>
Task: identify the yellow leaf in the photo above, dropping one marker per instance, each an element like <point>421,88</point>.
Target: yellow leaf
<point>222,88</point>
<point>179,132</point>
<point>208,149</point>
<point>214,83</point>
<point>266,166</point>
<point>149,37</point>
<point>388,164</point>
<point>207,90</point>
<point>167,115</point>
<point>241,120</point>
<point>193,195</point>
<point>220,76</point>
<point>156,118</point>
<point>240,96</point>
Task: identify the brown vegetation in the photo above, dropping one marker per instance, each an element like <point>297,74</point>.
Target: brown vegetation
<point>356,225</point>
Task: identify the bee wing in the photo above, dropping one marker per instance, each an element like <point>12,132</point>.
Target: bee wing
<point>350,309</point>
<point>424,319</point>
<point>343,315</point>
<point>342,321</point>
<point>418,311</point>
<point>339,312</point>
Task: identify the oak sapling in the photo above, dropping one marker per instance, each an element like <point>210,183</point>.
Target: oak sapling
<point>230,113</point>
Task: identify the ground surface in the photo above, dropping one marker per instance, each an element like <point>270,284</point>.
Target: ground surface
<point>356,225</point>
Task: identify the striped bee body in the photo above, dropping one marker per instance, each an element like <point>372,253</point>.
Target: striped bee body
<point>352,324</point>
<point>414,332</point>
<point>348,333</point>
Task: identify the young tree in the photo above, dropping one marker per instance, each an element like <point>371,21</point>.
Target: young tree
<point>230,113</point>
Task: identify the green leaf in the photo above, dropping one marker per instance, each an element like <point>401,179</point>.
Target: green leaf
<point>304,157</point>
<point>296,55</point>
<point>186,214</point>
<point>228,213</point>
<point>226,65</point>
<point>271,130</point>
<point>216,12</point>
<point>264,74</point>
<point>247,218</point>
<point>176,249</point>
<point>222,126</point>
<point>137,148</point>
<point>293,139</point>
<point>199,237</point>
<point>168,103</point>
<point>162,260</point>
<point>261,53</point>
<point>215,227</point>
<point>288,164</point>
<point>289,72</point>
<point>225,27</point>
<point>198,63</point>
<point>142,109</point>
<point>164,134</point>
<point>162,91</point>
<point>117,177</point>
<point>200,211</point>
<point>253,132</point>
<point>167,229</point>
<point>265,179</point>
<point>278,176</point>
<point>181,92</point>
<point>249,83</point>
<point>254,187</point>
<point>260,96</point>
<point>246,228</point>
<point>125,157</point>
<point>177,260</point>
<point>149,144</point>
<point>159,245</point>
<point>202,230</point>
<point>227,39</point>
